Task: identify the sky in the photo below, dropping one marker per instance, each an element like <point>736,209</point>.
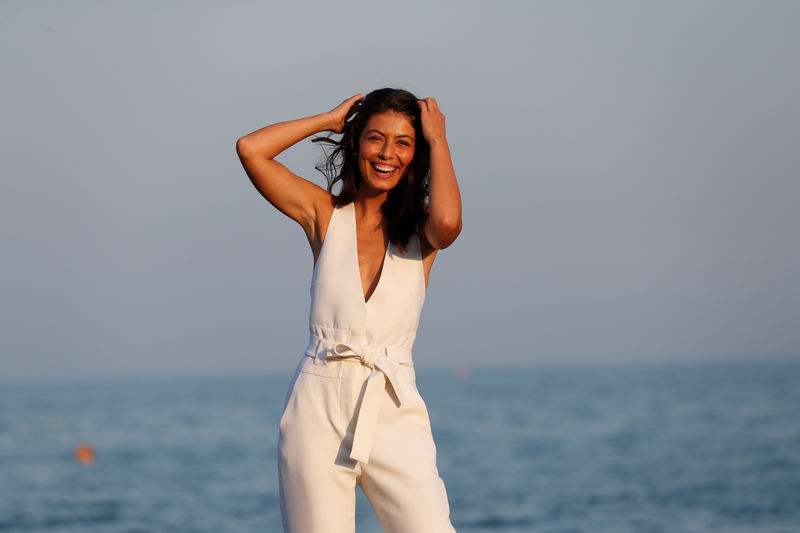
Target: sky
<point>629,175</point>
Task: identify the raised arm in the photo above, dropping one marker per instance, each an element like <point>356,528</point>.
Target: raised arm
<point>444,204</point>
<point>297,198</point>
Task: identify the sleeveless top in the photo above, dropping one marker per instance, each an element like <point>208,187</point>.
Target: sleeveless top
<point>378,333</point>
<point>338,311</point>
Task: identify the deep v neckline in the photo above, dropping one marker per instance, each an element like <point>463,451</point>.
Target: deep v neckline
<point>364,298</point>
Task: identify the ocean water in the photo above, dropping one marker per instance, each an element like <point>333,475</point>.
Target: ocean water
<point>616,448</point>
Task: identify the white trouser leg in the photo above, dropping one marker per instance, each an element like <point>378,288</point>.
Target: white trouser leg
<point>317,494</point>
<point>318,477</point>
<point>401,480</point>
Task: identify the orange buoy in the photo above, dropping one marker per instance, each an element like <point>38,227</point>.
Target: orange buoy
<point>84,454</point>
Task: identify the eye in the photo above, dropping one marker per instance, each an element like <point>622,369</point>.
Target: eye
<point>405,143</point>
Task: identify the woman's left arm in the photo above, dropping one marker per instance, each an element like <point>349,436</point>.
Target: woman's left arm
<point>444,204</point>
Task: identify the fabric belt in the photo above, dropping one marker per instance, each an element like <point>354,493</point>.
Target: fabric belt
<point>383,368</point>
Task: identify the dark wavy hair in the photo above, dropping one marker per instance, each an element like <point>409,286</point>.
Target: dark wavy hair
<point>403,209</point>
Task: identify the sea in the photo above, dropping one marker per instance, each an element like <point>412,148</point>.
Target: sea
<point>623,447</point>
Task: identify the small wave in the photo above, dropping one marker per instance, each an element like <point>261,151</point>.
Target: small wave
<point>83,515</point>
<point>495,522</point>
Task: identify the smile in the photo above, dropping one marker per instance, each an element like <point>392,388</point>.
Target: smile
<point>383,170</point>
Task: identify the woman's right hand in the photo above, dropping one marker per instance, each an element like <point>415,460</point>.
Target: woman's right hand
<point>338,115</point>
<point>299,199</point>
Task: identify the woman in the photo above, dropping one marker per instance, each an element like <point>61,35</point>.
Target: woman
<point>353,415</point>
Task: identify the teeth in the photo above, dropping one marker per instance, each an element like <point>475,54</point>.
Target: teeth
<point>383,168</point>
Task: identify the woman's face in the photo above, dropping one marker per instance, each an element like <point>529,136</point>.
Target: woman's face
<point>386,148</point>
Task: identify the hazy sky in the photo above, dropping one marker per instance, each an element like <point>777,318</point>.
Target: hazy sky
<point>629,173</point>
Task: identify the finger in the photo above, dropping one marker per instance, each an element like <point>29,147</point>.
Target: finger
<point>350,102</point>
<point>423,105</point>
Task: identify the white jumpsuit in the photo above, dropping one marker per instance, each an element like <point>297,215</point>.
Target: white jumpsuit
<point>353,415</point>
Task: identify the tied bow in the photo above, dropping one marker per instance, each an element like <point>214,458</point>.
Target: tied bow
<point>376,359</point>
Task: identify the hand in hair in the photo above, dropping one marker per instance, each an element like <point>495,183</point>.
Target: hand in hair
<point>444,199</point>
<point>433,128</point>
<point>342,112</point>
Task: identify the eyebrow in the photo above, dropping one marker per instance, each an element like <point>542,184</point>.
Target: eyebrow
<point>381,133</point>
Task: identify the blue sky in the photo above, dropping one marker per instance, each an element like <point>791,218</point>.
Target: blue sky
<point>629,174</point>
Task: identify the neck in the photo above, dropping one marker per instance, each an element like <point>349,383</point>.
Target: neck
<point>369,206</point>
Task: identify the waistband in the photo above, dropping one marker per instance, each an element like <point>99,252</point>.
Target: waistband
<point>321,350</point>
<point>382,367</point>
<point>361,337</point>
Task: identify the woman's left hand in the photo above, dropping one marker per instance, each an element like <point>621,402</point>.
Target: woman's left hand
<point>433,128</point>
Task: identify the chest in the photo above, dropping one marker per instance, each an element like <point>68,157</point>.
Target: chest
<point>371,250</point>
<point>363,282</point>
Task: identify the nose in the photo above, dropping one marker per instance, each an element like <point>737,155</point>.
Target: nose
<point>386,151</point>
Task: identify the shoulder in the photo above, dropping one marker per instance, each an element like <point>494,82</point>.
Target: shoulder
<point>427,254</point>
<point>426,248</point>
<point>323,205</point>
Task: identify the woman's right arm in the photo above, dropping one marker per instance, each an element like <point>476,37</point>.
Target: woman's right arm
<point>297,198</point>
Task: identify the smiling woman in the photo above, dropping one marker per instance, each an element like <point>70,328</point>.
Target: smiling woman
<point>386,148</point>
<point>386,129</point>
<point>353,415</point>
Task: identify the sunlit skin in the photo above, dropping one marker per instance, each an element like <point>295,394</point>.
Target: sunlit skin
<point>382,142</point>
<point>386,142</point>
<point>373,158</point>
<point>386,149</point>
